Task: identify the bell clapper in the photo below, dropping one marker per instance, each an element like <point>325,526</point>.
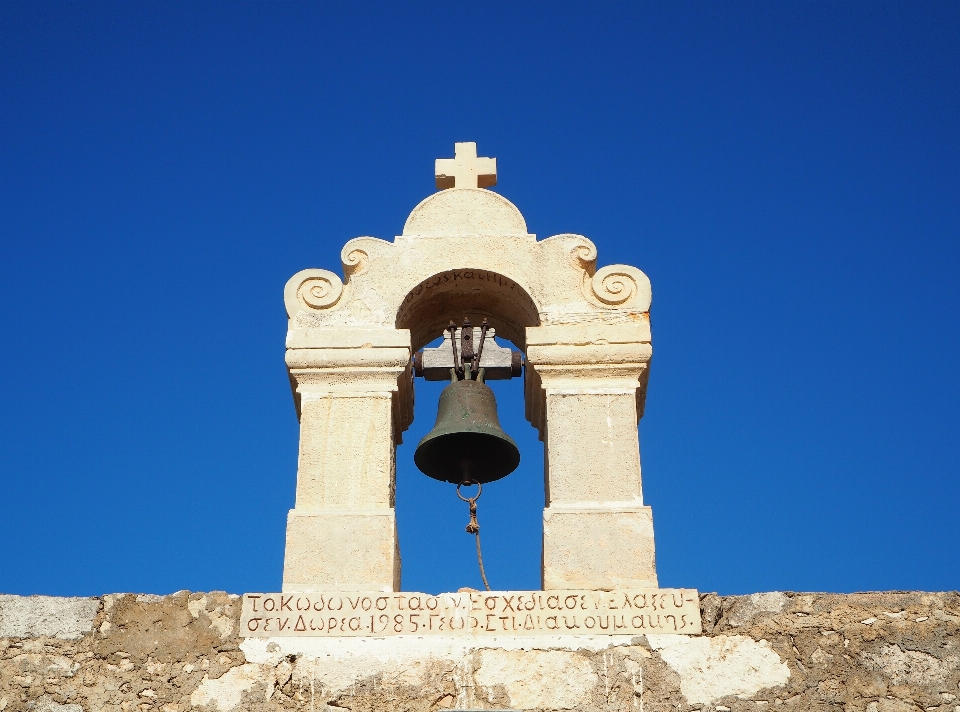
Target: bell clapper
<point>474,526</point>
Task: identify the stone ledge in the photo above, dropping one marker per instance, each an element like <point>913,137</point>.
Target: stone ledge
<point>31,616</point>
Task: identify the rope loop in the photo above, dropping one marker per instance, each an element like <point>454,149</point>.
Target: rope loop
<point>474,526</point>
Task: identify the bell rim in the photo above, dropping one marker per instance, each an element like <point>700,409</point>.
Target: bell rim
<point>440,462</point>
<point>442,473</point>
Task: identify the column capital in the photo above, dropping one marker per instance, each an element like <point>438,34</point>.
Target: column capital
<point>347,338</point>
<point>350,362</point>
<point>590,356</point>
<point>601,359</point>
<point>635,331</point>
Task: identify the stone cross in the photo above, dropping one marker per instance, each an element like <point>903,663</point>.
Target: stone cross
<point>465,170</point>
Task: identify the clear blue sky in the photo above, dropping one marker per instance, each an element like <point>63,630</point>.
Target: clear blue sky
<point>787,174</point>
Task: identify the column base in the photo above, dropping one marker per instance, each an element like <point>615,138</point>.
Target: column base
<point>598,547</point>
<point>342,550</point>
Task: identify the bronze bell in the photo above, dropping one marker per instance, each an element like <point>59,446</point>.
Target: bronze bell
<point>467,442</point>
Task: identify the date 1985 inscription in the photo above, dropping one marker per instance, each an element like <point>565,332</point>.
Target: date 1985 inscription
<point>378,614</point>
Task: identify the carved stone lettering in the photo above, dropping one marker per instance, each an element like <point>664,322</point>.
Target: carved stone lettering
<point>454,277</point>
<point>485,613</point>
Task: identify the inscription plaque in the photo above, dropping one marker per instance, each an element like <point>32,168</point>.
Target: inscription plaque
<point>481,613</point>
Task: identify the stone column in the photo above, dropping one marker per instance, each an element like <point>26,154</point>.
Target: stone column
<point>353,395</point>
<point>591,384</point>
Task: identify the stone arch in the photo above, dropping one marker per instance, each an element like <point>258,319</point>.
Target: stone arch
<point>478,293</point>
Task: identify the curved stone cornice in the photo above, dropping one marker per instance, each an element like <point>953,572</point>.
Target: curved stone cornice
<point>464,211</point>
<point>558,276</point>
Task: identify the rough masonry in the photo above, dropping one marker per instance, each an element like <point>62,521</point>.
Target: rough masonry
<point>868,652</point>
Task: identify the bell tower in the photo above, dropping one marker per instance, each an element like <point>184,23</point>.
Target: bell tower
<point>582,345</point>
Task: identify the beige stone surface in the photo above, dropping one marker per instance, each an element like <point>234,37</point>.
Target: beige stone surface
<point>710,668</point>
<point>606,547</point>
<point>69,618</point>
<point>553,679</point>
<point>346,461</point>
<point>593,448</point>
<point>341,550</point>
<point>466,251</point>
<point>790,652</point>
<point>479,213</point>
<point>481,613</point>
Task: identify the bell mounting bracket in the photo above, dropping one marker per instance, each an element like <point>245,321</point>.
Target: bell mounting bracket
<point>467,350</point>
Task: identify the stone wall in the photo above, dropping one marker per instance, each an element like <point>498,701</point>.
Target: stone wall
<point>875,652</point>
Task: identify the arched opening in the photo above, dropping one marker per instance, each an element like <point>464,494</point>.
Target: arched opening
<point>430,518</point>
<point>455,293</point>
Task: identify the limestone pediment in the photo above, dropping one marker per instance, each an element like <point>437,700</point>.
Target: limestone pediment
<point>465,211</point>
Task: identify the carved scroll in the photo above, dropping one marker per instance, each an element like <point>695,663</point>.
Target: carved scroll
<point>358,252</point>
<point>621,286</point>
<point>312,289</point>
<point>584,254</point>
<point>355,261</point>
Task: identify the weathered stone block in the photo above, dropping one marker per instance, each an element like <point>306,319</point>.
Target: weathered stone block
<point>342,550</point>
<point>593,448</point>
<point>67,618</point>
<point>598,547</point>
